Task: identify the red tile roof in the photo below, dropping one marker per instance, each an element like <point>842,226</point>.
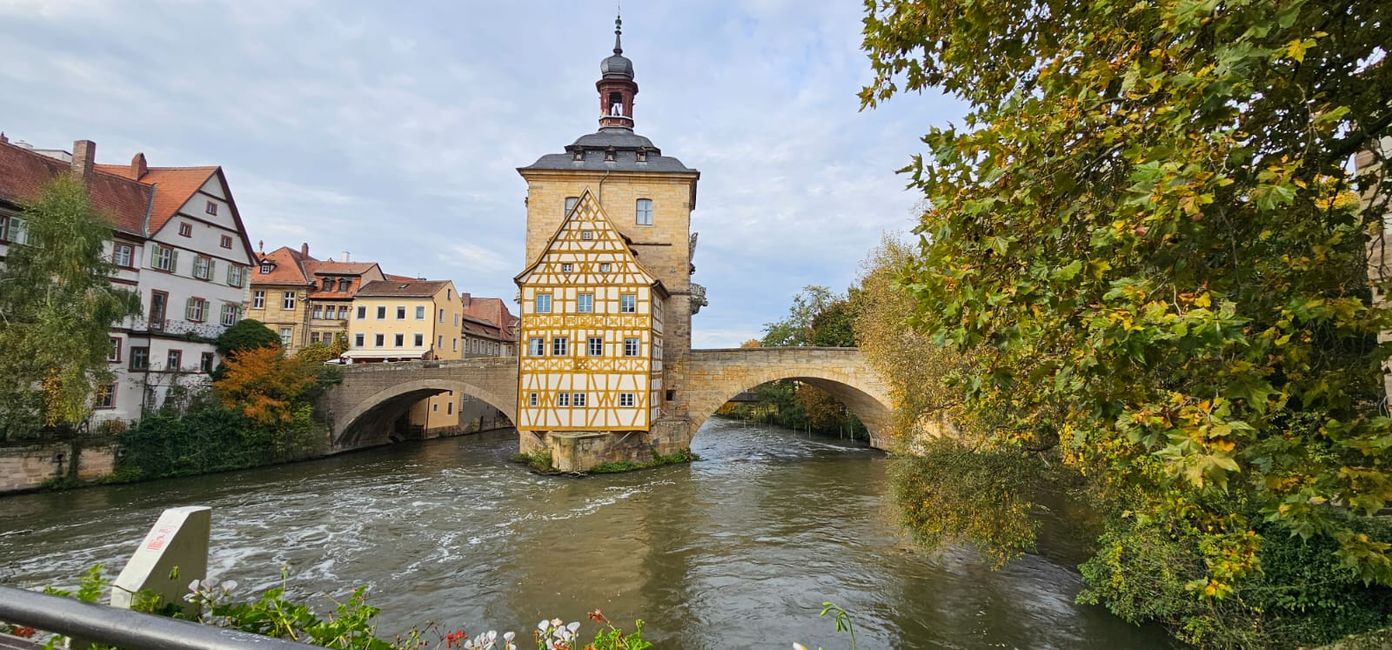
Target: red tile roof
<point>174,186</point>
<point>394,288</point>
<point>288,268</point>
<point>493,311</point>
<point>24,173</point>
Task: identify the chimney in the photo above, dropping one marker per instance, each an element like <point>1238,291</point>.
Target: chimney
<point>345,256</point>
<point>84,155</point>
<point>304,249</point>
<point>3,138</point>
<point>138,166</point>
<point>466,298</point>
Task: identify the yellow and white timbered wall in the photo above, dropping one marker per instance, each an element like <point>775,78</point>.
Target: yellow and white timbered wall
<point>591,331</point>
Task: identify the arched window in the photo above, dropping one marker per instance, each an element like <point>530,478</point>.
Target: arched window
<point>644,212</point>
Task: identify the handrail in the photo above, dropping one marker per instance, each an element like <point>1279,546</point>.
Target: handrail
<point>123,627</point>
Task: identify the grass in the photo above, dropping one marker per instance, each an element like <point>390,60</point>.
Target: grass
<point>537,461</point>
<point>658,460</point>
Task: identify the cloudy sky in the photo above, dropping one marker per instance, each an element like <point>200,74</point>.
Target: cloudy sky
<point>393,130</point>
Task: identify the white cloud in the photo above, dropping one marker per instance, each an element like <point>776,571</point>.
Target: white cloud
<point>394,132</point>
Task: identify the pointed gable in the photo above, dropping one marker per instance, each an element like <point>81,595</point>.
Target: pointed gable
<point>597,252</point>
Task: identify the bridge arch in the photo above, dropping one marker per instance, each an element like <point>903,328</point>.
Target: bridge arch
<point>713,377</point>
<point>374,415</point>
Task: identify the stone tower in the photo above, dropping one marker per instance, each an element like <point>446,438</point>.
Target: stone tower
<point>648,196</point>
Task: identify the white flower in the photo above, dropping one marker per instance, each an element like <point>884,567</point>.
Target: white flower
<point>543,625</point>
<point>573,627</point>
<point>509,636</point>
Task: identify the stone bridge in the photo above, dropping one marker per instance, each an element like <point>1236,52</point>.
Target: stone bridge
<point>706,379</point>
<point>360,411</point>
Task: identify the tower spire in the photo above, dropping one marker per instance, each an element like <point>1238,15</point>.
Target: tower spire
<point>616,86</point>
<point>618,34</point>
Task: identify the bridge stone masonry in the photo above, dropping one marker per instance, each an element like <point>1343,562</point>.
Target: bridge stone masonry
<point>360,411</point>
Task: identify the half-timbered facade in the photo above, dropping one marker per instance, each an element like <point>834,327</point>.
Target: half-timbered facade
<point>591,331</point>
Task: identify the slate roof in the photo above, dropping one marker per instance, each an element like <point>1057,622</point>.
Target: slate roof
<point>626,145</point>
<point>395,288</point>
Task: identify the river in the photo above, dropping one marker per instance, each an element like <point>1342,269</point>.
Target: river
<point>735,550</point>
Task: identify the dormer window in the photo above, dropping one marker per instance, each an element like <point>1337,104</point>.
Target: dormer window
<point>266,268</point>
<point>578,156</point>
<point>328,284</point>
<point>642,156</point>
<point>343,284</point>
<point>609,154</point>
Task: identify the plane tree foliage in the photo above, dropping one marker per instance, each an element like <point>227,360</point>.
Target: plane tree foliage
<point>1147,244</point>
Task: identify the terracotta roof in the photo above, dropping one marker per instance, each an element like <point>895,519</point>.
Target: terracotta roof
<point>482,328</point>
<point>399,278</point>
<point>24,173</point>
<point>493,311</point>
<point>289,268</point>
<point>174,186</point>
<point>406,289</point>
<point>343,268</point>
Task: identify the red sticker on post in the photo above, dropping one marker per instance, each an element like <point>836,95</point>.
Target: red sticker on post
<point>158,538</point>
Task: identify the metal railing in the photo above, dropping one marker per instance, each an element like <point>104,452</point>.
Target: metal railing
<point>125,628</point>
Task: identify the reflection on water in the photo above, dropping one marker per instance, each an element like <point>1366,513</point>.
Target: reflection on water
<point>738,549</point>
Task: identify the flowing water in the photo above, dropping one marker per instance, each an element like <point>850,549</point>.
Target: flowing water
<point>735,550</point>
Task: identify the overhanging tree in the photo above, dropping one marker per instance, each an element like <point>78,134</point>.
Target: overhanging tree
<point>56,311</point>
<point>1147,233</point>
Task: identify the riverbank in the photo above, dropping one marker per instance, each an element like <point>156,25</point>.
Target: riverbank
<point>737,549</point>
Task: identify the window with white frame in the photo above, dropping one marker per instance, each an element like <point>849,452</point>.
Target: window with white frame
<point>106,396</point>
<point>285,336</point>
<point>420,313</point>
<point>13,230</point>
<point>586,235</point>
<point>258,299</point>
<point>584,303</point>
<point>139,357</point>
<point>563,399</point>
<point>628,303</point>
<point>543,303</point>
<point>567,267</point>
<point>420,340</point>
<point>401,312</point>
<point>317,312</point>
<point>643,210</point>
<point>267,267</point>
<point>228,317</point>
<point>570,203</point>
<point>113,354</point>
<point>604,267</point>
<point>626,400</point>
<point>205,362</point>
<point>578,399</point>
<point>196,309</point>
<point>203,267</point>
<point>287,300</point>
<point>536,347</point>
<point>358,340</point>
<point>174,361</point>
<point>632,347</point>
<point>236,275</point>
<point>210,208</point>
<point>533,399</point>
<point>163,258</point>
<point>362,313</point>
<point>560,346</point>
<point>225,241</point>
<point>596,345</point>
<point>123,255</point>
<point>185,229</point>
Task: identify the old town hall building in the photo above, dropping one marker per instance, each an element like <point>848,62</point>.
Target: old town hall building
<point>607,297</point>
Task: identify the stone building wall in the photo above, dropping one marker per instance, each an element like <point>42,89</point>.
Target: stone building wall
<point>28,467</point>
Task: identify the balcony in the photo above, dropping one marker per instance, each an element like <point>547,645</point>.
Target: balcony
<point>171,327</point>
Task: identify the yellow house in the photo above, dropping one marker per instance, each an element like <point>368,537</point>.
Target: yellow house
<point>410,320</point>
<point>592,331</point>
<point>279,296</point>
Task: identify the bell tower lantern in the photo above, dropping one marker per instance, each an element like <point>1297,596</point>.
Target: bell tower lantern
<point>616,85</point>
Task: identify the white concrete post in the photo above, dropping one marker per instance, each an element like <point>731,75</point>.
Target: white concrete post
<point>173,554</point>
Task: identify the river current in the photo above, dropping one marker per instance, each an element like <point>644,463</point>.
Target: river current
<point>735,550</point>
